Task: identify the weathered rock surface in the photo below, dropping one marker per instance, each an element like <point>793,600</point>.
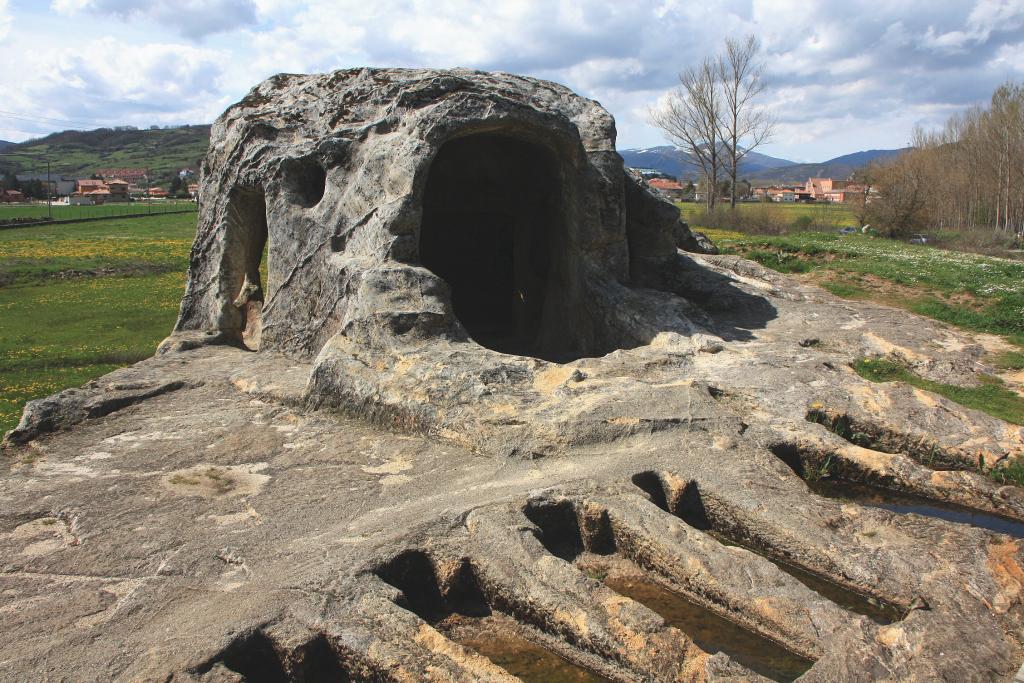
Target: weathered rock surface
<point>397,457</point>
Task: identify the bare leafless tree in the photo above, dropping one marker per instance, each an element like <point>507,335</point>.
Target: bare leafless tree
<point>744,125</point>
<point>967,177</point>
<point>713,114</point>
<point>903,206</point>
<point>691,119</point>
<point>859,202</point>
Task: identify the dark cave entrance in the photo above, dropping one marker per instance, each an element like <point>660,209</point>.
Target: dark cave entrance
<point>246,261</point>
<point>493,224</point>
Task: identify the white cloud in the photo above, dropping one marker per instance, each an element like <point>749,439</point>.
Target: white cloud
<point>112,83</point>
<point>191,18</point>
<point>842,75</point>
<point>1011,57</point>
<point>995,15</point>
<point>157,76</point>
<point>5,20</point>
<point>985,18</point>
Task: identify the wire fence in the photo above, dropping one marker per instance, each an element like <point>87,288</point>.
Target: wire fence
<point>14,214</point>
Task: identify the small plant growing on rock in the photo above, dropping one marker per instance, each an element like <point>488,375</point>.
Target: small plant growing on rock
<point>824,471</point>
<point>213,478</point>
<point>221,483</point>
<point>1009,472</point>
<point>182,480</point>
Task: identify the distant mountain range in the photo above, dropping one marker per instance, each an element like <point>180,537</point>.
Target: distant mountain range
<point>166,150</point>
<point>756,167</point>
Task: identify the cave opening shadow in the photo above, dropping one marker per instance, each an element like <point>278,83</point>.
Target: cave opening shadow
<point>246,261</point>
<point>494,228</point>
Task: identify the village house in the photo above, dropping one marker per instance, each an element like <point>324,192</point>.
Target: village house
<point>89,191</point>
<point>670,188</point>
<point>134,176</point>
<point>814,190</point>
<point>835,191</point>
<point>86,185</point>
<point>91,197</point>
<point>118,191</point>
<point>11,196</point>
<point>781,193</point>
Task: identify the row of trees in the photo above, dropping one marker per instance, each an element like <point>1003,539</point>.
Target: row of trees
<point>33,189</point>
<point>967,176</point>
<point>714,115</point>
<point>179,188</point>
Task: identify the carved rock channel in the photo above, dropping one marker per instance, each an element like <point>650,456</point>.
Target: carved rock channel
<point>482,399</point>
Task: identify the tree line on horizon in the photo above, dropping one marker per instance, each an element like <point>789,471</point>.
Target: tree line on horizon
<point>968,176</point>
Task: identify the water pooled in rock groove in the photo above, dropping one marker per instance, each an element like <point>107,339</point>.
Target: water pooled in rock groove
<point>873,608</point>
<point>517,655</point>
<point>877,610</point>
<point>711,632</point>
<point>903,503</point>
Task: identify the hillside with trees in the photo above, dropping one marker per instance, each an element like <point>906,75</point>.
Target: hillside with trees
<point>967,177</point>
<point>79,153</point>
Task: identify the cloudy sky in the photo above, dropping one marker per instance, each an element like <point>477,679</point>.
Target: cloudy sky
<point>844,76</point>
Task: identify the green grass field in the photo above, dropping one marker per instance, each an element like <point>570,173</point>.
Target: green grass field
<point>62,212</point>
<point>79,300</point>
<point>789,215</point>
<point>975,292</point>
<point>989,396</point>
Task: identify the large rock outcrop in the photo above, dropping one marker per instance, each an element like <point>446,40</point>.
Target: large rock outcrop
<point>444,401</point>
<point>406,204</point>
<point>454,217</point>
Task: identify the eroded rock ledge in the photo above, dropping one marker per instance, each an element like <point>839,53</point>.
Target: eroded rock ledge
<point>482,396</point>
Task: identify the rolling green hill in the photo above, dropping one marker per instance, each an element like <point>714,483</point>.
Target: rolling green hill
<point>80,153</point>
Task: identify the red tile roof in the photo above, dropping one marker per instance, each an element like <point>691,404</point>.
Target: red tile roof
<point>664,184</point>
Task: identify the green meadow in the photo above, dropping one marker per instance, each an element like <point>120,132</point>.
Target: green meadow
<point>770,217</point>
<point>63,212</point>
<point>975,292</point>
<point>79,300</point>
